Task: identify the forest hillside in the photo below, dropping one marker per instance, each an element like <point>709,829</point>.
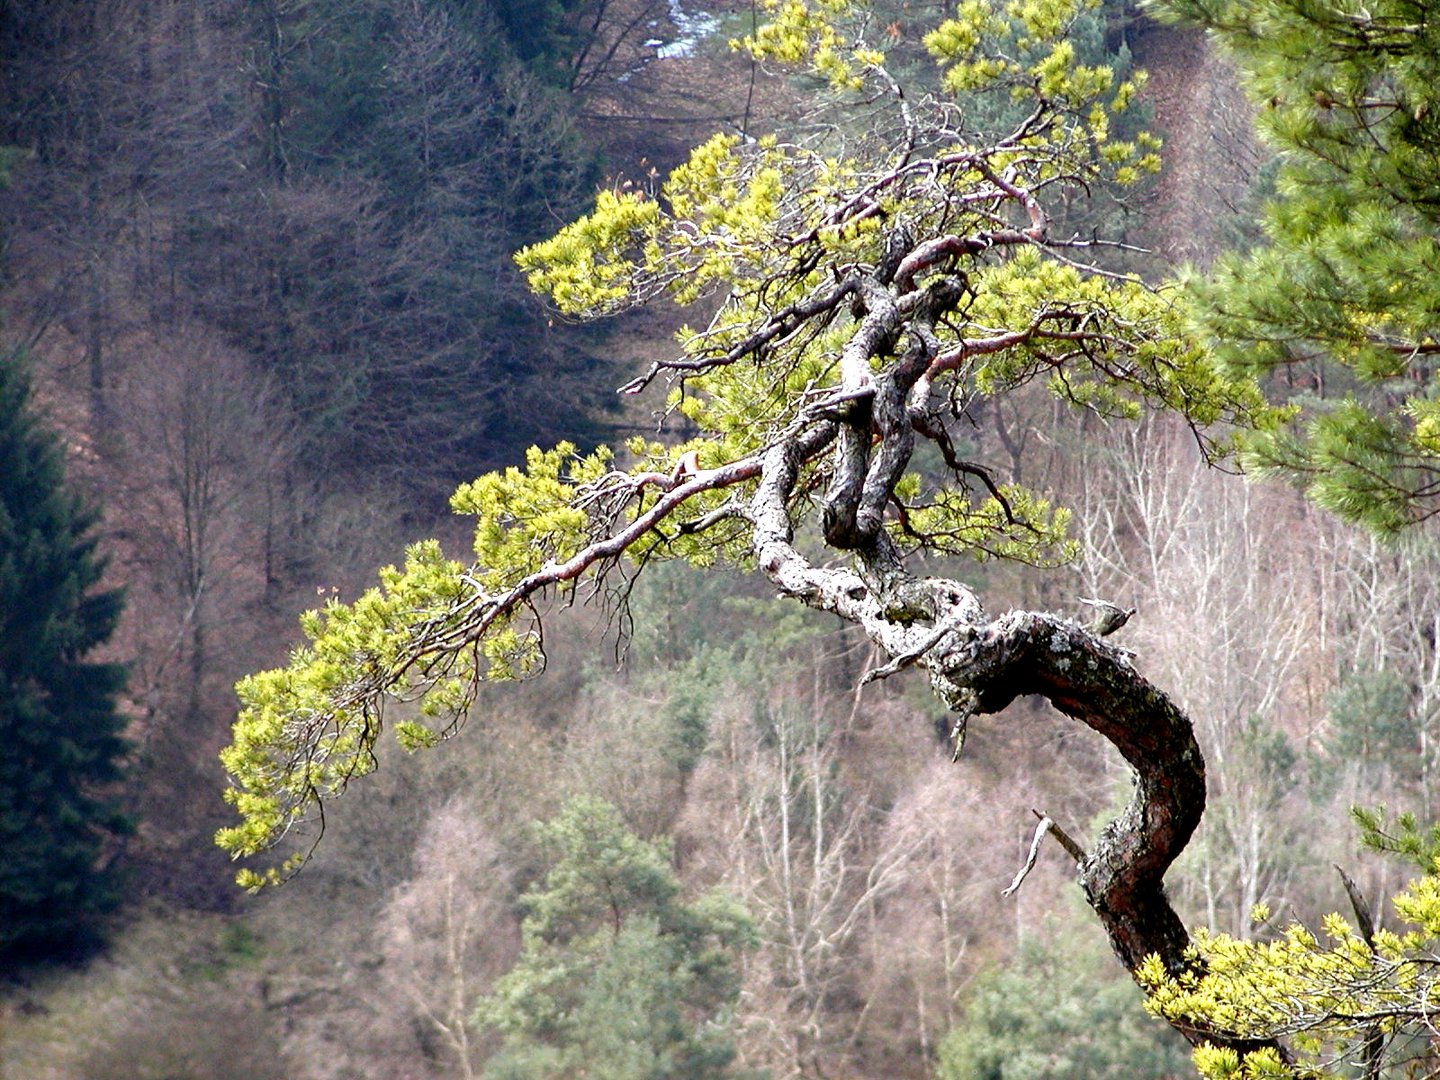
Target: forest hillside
<point>258,265</point>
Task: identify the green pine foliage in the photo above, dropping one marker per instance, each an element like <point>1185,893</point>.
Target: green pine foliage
<point>1353,998</point>
<point>619,976</point>
<point>1337,308</point>
<point>1372,722</point>
<point>781,230</point>
<point>1060,1012</point>
<point>1340,302</point>
<point>59,726</point>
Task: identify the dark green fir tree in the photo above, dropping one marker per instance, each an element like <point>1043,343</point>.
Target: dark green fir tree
<point>60,731</point>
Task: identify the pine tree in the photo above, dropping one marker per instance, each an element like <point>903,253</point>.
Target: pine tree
<point>871,293</point>
<point>1340,302</point>
<point>59,726</point>
<point>618,976</point>
<point>1091,1027</point>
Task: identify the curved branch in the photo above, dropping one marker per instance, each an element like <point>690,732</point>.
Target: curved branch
<point>980,666</point>
<point>779,325</point>
<point>1087,678</point>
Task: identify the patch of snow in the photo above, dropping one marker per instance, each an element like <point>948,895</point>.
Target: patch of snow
<point>694,28</point>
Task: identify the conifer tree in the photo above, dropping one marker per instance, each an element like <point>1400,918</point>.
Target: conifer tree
<point>618,975</point>
<point>59,728</point>
<point>1338,307</point>
<point>874,285</point>
<point>1340,301</point>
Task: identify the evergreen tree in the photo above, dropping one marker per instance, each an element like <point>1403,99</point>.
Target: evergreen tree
<point>1091,1028</point>
<point>1343,296</point>
<point>1338,306</point>
<point>59,727</point>
<point>871,294</point>
<point>544,33</point>
<point>618,977</point>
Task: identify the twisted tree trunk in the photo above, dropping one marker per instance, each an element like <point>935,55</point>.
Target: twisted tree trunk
<point>978,665</point>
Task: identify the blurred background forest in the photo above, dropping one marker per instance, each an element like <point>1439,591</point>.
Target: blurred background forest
<point>256,254</point>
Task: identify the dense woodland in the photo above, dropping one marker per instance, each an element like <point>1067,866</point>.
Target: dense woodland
<point>261,316</point>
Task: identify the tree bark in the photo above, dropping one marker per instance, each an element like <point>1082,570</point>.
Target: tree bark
<point>979,665</point>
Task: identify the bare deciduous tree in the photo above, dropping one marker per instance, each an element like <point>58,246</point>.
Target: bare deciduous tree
<point>450,930</point>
